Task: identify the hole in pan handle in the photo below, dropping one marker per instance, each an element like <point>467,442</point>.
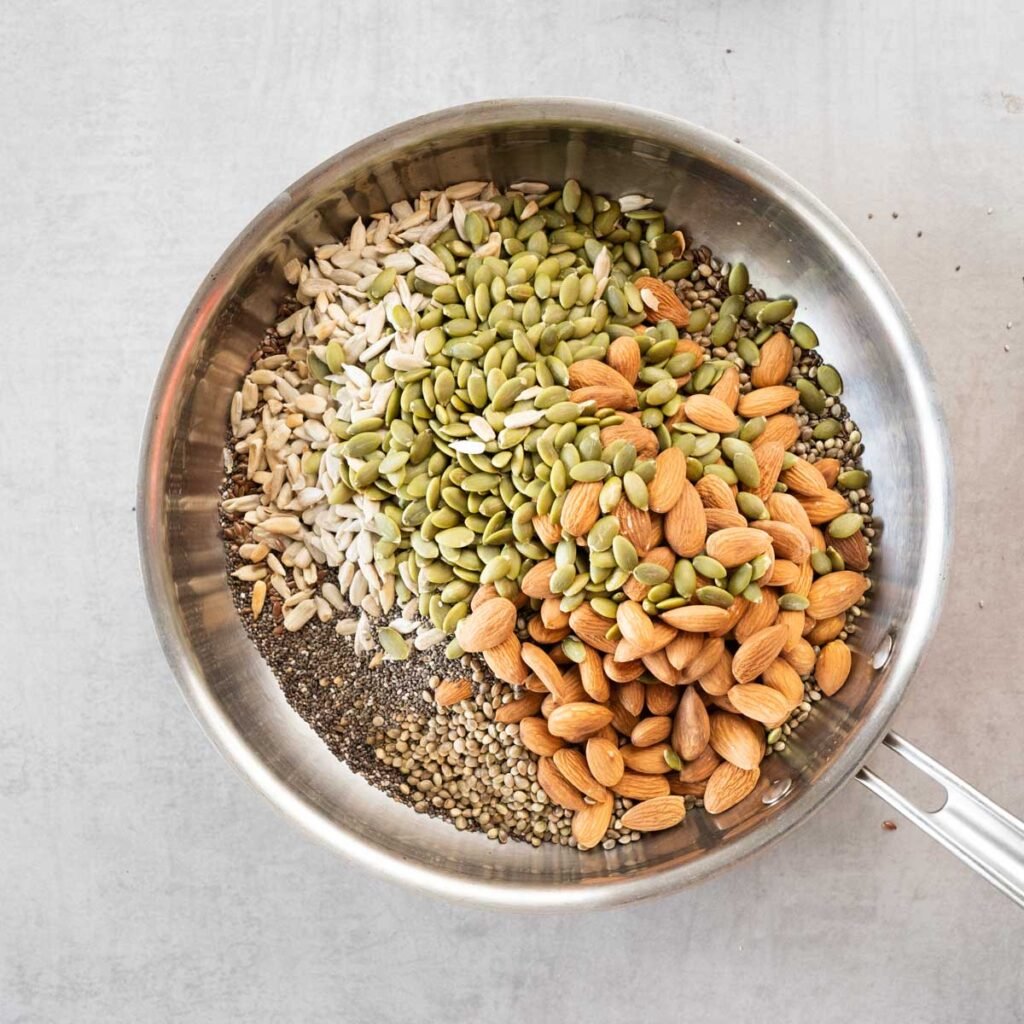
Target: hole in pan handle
<point>983,835</point>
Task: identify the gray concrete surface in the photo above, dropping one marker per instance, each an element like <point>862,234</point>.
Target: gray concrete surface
<point>140,880</point>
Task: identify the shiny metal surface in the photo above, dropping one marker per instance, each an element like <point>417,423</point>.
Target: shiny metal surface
<point>744,209</point>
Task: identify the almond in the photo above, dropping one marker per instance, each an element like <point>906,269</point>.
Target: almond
<point>759,702</point>
<point>683,648</point>
<point>506,662</point>
<point>833,667</point>
<point>632,430</point>
<point>787,541</point>
<point>700,769</point>
<point>605,397</point>
<point>580,511</point>
<point>661,699</point>
<point>542,634</point>
<point>590,824</point>
<point>776,362</point>
<point>804,478</point>
<point>757,616</point>
<point>550,533</point>
<point>769,459</point>
<point>547,672</point>
<point>664,557</point>
<point>766,401</point>
<point>551,613</point>
<point>632,697</point>
<point>802,584</point>
<point>784,508</point>
<point>604,761</point>
<point>679,788</point>
<point>634,525</point>
<point>695,618</point>
<point>591,627</point>
<point>636,786</point>
<point>669,476</point>
<point>695,348</point>
<point>557,787</point>
<point>801,656</point>
<point>817,537</point>
<point>780,429</point>
<point>829,469</point>
<point>823,508</point>
<point>781,676</point>
<point>578,720</point>
<point>783,571</point>
<point>451,691</point>
<point>691,729</point>
<point>623,720</point>
<point>662,636</point>
<point>854,550</point>
<point>685,523</point>
<point>723,518</point>
<point>650,731</point>
<point>485,592</point>
<point>827,629</point>
<point>661,302</point>
<point>727,388</point>
<point>536,581</point>
<point>573,685</point>
<point>537,739</point>
<point>648,760</point>
<point>624,357</point>
<point>716,680</point>
<point>835,592</point>
<point>493,622</point>
<point>520,708</point>
<point>534,685</point>
<point>573,767</point>
<point>661,668</point>
<point>794,623</point>
<point>652,815</point>
<point>711,414</point>
<point>635,625</point>
<point>594,681</point>
<point>716,493</point>
<point>593,372</point>
<point>758,653</point>
<point>622,671</point>
<point>736,545</point>
<point>727,786</point>
<point>738,740</point>
<point>712,651</point>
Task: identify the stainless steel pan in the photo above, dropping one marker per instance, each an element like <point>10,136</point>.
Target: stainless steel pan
<point>744,208</point>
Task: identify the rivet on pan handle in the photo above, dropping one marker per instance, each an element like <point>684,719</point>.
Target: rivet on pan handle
<point>979,832</point>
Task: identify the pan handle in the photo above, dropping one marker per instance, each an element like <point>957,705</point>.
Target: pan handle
<point>979,832</point>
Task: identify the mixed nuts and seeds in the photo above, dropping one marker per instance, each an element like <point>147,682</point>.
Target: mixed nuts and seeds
<point>547,521</point>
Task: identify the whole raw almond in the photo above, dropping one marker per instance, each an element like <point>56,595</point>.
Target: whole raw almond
<point>520,708</point>
<point>632,697</point>
<point>661,699</point>
<point>834,593</point>
<point>573,684</point>
<point>661,635</point>
<point>573,767</point>
<point>833,667</point>
<point>557,787</point>
<point>802,583</point>
<point>451,691</point>
<point>723,518</point>
<point>699,769</point>
<point>782,676</point>
<point>622,671</point>
<point>652,815</point>
<point>679,788</point>
<point>783,571</point>
<point>624,357</point>
<point>758,616</point>
<point>485,592</point>
<point>635,625</point>
<point>669,476</point>
<point>505,660</point>
<point>591,627</point>
<point>829,469</point>
<point>695,618</point>
<point>492,623</point>
<point>537,579</point>
<point>801,656</point>
<point>854,550</point>
<point>711,414</point>
<point>650,731</point>
<point>794,623</point>
<point>827,629</point>
<point>632,430</point>
<point>661,668</point>
<point>576,721</point>
<point>590,824</point>
<point>646,760</point>
<point>592,676</point>
<point>766,401</point>
<point>683,648</point>
<point>736,545</point>
<point>691,729</point>
<point>637,786</point>
<point>784,508</point>
<point>787,541</point>
<point>550,533</point>
<point>727,786</point>
<point>634,525</point>
<point>823,508</point>
<point>587,372</point>
<point>606,397</point>
<point>736,739</point>
<point>604,761</point>
<point>542,634</point>
<point>804,478</point>
<point>727,388</point>
<point>779,429</point>
<point>536,737</point>
<point>579,512</point>
<point>551,613</point>
<point>776,362</point>
<point>716,680</point>
<point>716,493</point>
<point>547,672</point>
<point>757,653</point>
<point>759,702</point>
<point>711,653</point>
<point>661,302</point>
<point>685,524</point>
<point>769,459</point>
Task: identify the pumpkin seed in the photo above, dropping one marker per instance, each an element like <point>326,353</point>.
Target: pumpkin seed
<point>590,472</point>
<point>650,573</point>
<point>715,596</point>
<point>393,643</point>
<point>826,428</point>
<point>746,469</point>
<point>748,352</point>
<point>829,380</point>
<point>709,567</point>
<point>853,479</point>
<point>625,554</point>
<point>684,578</point>
<point>837,560</point>
<point>810,397</point>
<point>699,319</point>
<point>672,759</point>
<point>803,336</point>
<point>636,489</point>
<point>723,331</point>
<point>753,594</point>
<point>739,279</point>
<point>574,649</point>
<point>741,578</point>
<point>775,312</point>
<point>793,603</point>
<point>845,525</point>
<point>821,563</point>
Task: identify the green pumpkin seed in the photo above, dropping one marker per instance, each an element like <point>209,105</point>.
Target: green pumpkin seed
<point>777,311</point>
<point>810,397</point>
<point>748,352</point>
<point>684,578</point>
<point>761,565</point>
<point>636,490</point>
<point>574,649</point>
<point>709,567</point>
<point>746,469</point>
<point>793,603</point>
<point>753,429</point>
<point>725,472</point>
<point>829,380</point>
<point>803,336</point>
<point>660,393</point>
<point>672,759</point>
<point>650,574</point>
<point>611,495</point>
<point>625,554</point>
<point>845,525</point>
<point>715,596</point>
<point>590,472</point>
<point>753,594</point>
<point>751,505</point>
<point>826,428</point>
<point>602,533</point>
<point>739,279</point>
<point>853,479</point>
<point>456,537</point>
<point>393,643</point>
<point>724,330</point>
<point>604,607</point>
<point>699,319</point>
<point>740,579</point>
<point>821,563</point>
<point>837,560</point>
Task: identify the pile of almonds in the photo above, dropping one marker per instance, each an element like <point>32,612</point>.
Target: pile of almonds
<point>660,703</point>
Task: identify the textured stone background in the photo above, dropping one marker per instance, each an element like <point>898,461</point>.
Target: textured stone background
<point>140,879</point>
